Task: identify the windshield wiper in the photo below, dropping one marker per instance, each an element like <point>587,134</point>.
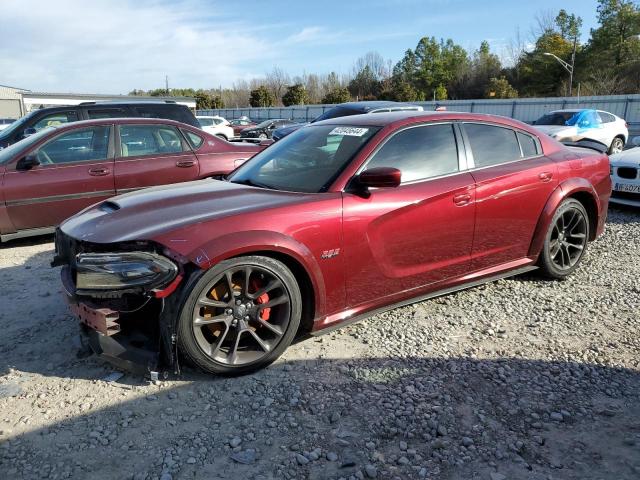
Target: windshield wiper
<point>252,183</point>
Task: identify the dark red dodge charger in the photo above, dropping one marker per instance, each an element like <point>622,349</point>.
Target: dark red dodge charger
<point>342,219</point>
<point>58,171</point>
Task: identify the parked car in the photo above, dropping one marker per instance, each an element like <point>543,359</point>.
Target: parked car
<point>217,126</point>
<point>240,124</point>
<point>5,122</point>
<point>342,219</point>
<point>60,170</point>
<point>349,108</point>
<point>263,131</point>
<point>625,175</point>
<point>573,125</point>
<point>36,120</point>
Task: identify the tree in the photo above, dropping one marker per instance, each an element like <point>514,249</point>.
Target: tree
<point>568,25</point>
<point>484,66</point>
<point>500,88</point>
<point>337,95</point>
<point>365,85</point>
<point>440,93</point>
<point>295,95</point>
<point>276,81</point>
<point>261,97</point>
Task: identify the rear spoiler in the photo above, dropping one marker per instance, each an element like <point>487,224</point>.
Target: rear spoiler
<point>588,143</point>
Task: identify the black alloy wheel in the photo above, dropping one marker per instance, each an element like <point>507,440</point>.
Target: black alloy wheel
<point>240,316</point>
<point>566,240</point>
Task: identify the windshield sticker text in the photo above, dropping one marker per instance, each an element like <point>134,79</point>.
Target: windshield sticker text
<point>349,131</point>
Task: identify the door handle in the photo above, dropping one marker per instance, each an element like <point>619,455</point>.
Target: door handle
<point>185,163</point>
<point>98,172</point>
<point>462,199</point>
<point>545,176</point>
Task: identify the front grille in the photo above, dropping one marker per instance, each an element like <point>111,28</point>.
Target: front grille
<point>626,195</point>
<point>627,172</point>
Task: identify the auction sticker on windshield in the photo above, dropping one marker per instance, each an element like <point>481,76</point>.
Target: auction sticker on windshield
<point>349,131</point>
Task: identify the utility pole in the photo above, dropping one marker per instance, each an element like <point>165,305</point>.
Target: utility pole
<point>567,66</point>
<point>166,84</point>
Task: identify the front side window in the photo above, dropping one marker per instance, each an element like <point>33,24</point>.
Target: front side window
<point>420,152</point>
<point>76,146</point>
<point>55,119</point>
<point>142,140</point>
<point>308,160</point>
<point>205,122</point>
<point>492,145</point>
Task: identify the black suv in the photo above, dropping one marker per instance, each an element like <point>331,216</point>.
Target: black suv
<point>45,117</point>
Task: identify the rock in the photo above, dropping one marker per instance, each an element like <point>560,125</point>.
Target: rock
<point>235,441</point>
<point>301,459</point>
<point>557,416</point>
<point>467,441</point>
<point>403,461</point>
<point>497,476</point>
<point>246,457</point>
<point>370,471</point>
<point>332,456</point>
<point>403,446</point>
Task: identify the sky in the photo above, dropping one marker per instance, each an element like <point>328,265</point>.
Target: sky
<point>114,46</point>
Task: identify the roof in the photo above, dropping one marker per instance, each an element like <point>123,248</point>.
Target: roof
<point>408,117</point>
<point>119,121</point>
<point>102,97</point>
<point>369,105</point>
<point>15,88</point>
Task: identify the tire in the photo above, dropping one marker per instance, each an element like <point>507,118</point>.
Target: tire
<point>566,240</point>
<point>263,136</point>
<point>617,145</point>
<point>222,137</point>
<point>207,336</point>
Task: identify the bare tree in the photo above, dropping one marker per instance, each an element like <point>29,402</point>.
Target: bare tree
<point>545,22</point>
<point>376,63</point>
<point>277,81</point>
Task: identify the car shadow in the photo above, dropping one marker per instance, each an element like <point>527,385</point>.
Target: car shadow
<point>453,417</point>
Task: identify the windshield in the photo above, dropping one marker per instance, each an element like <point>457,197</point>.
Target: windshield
<point>307,161</point>
<point>555,118</point>
<point>264,124</point>
<point>15,126</point>
<point>11,151</point>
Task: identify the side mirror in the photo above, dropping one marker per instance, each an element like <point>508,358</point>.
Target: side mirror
<point>380,177</point>
<point>28,162</point>
<point>29,131</point>
<point>636,141</point>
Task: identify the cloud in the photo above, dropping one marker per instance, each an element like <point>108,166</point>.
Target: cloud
<point>112,47</point>
<point>306,35</point>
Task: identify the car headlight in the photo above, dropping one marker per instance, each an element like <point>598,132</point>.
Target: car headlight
<point>118,271</point>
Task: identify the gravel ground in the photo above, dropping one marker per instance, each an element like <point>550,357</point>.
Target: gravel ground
<point>520,379</point>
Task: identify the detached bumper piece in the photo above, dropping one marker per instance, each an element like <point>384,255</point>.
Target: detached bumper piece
<point>121,351</point>
<point>103,320</point>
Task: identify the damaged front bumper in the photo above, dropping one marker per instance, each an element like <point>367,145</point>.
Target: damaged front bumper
<point>133,328</point>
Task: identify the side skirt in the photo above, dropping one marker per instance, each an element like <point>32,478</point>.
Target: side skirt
<point>421,298</point>
<point>32,232</point>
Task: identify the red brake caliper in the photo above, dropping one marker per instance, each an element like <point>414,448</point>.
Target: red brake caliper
<point>264,298</point>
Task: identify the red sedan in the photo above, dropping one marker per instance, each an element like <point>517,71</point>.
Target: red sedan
<point>240,124</point>
<point>339,220</point>
<point>57,172</point>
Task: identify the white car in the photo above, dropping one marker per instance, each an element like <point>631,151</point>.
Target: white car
<point>5,122</point>
<point>625,175</point>
<point>217,126</point>
<point>577,124</point>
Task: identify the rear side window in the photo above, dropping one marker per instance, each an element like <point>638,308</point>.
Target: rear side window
<point>492,145</point>
<point>195,140</point>
<point>143,140</point>
<point>606,117</point>
<point>420,152</point>
<point>107,113</point>
<point>528,144</point>
<point>179,113</point>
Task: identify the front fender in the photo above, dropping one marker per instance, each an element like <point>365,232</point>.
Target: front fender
<point>250,242</point>
<point>564,190</point>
